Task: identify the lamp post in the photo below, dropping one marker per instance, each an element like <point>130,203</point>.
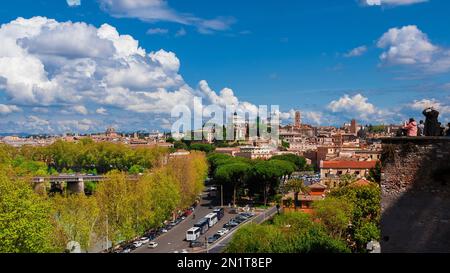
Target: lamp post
<point>221,195</point>
<point>107,235</point>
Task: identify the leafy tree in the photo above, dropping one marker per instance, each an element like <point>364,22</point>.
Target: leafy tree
<point>266,176</point>
<point>215,159</point>
<point>366,216</point>
<point>190,173</point>
<point>114,198</point>
<point>255,238</point>
<point>156,196</point>
<point>90,187</point>
<point>347,179</point>
<point>288,233</point>
<point>365,200</point>
<point>335,214</point>
<point>297,186</point>
<point>179,145</point>
<point>207,148</point>
<point>25,221</point>
<point>232,175</point>
<point>285,144</point>
<point>136,169</point>
<point>365,233</point>
<point>298,161</point>
<point>375,174</point>
<point>75,216</point>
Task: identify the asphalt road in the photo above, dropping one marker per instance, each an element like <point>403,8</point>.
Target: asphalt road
<point>220,245</point>
<point>174,240</point>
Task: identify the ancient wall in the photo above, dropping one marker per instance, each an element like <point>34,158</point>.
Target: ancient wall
<point>416,195</point>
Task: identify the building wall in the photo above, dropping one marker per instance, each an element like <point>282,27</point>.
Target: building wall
<point>359,173</point>
<point>416,195</point>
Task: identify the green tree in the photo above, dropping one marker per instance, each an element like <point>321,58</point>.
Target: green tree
<point>136,169</point>
<point>335,214</point>
<point>207,148</point>
<point>298,161</point>
<point>365,233</point>
<point>288,233</point>
<point>215,159</point>
<point>266,176</point>
<point>114,198</point>
<point>347,179</point>
<point>25,223</point>
<point>232,175</point>
<point>179,145</point>
<point>255,238</point>
<point>75,216</point>
<point>375,174</point>
<point>297,186</point>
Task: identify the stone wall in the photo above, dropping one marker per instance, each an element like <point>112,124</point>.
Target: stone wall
<point>416,195</point>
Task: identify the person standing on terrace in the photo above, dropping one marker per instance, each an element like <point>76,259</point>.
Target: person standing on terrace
<point>411,128</point>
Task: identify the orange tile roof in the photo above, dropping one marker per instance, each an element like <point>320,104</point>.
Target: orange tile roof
<point>318,186</point>
<point>361,183</point>
<point>348,164</point>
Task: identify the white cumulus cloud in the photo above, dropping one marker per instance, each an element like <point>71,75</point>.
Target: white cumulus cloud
<point>8,109</point>
<point>358,51</point>
<point>392,2</point>
<point>408,45</point>
<point>74,3</point>
<point>422,104</point>
<point>159,10</point>
<point>356,105</point>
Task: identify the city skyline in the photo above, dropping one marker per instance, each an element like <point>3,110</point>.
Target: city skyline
<point>81,66</point>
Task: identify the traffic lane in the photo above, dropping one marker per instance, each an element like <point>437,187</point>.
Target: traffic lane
<point>174,239</point>
<point>213,230</point>
<point>258,219</point>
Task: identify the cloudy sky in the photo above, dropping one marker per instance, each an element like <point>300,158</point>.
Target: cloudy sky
<point>84,65</point>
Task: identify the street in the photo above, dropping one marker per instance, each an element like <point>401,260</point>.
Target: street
<point>174,240</point>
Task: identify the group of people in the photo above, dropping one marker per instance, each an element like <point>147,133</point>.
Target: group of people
<point>431,126</point>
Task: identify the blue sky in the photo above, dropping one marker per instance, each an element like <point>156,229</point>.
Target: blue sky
<point>377,61</point>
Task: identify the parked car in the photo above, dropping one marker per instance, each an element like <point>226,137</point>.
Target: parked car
<point>164,230</point>
<point>137,244</point>
<point>213,238</point>
<point>144,240</point>
<point>126,250</point>
<point>184,251</point>
<point>223,231</point>
<point>247,214</point>
<point>152,245</point>
<point>194,244</point>
<point>231,224</point>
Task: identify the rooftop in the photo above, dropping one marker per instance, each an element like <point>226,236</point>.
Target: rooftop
<point>348,164</point>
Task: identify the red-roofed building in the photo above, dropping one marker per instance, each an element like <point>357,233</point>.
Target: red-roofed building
<point>334,169</point>
<point>361,183</point>
<point>316,193</point>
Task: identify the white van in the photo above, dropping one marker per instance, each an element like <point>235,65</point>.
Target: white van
<point>212,219</point>
<point>193,234</point>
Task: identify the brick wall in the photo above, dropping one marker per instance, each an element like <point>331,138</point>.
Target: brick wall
<point>416,195</point>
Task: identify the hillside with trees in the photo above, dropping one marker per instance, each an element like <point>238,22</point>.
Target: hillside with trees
<point>118,208</point>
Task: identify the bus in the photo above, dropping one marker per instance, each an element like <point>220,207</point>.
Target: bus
<point>220,213</point>
<point>193,234</point>
<point>203,225</point>
<point>212,219</point>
